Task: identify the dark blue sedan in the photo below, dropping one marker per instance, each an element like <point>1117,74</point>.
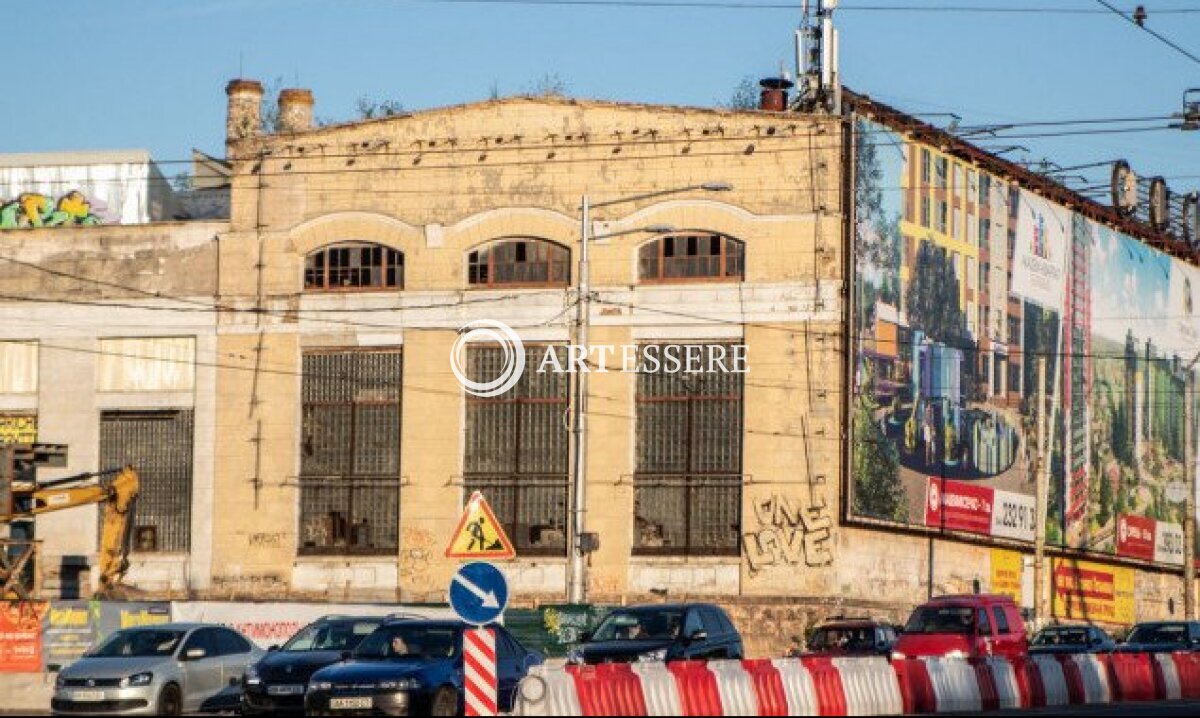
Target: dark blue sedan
<point>412,667</point>
<point>276,683</point>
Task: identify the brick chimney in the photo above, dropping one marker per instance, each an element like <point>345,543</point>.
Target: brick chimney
<point>243,117</point>
<point>774,96</point>
<point>295,110</point>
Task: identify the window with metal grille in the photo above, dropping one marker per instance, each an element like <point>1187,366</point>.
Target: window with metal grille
<point>688,478</point>
<point>353,266</point>
<point>350,453</point>
<point>691,257</point>
<point>517,450</point>
<point>158,445</point>
<point>520,261</point>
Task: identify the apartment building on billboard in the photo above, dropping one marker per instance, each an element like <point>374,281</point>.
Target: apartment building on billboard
<point>283,377</point>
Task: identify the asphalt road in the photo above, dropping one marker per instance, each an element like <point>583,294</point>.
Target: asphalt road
<point>1173,708</point>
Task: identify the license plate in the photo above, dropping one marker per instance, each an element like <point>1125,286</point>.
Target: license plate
<point>284,690</point>
<point>346,704</point>
<point>87,696</point>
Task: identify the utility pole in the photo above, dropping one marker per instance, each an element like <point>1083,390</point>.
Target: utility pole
<point>1189,517</point>
<point>1040,500</point>
<point>576,592</point>
<point>580,542</point>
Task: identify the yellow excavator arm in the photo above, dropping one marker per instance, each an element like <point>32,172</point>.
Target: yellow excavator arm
<point>116,495</point>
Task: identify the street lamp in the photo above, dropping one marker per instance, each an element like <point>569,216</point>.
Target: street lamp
<point>579,547</point>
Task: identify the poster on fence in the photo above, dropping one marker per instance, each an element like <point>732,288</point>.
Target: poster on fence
<point>1086,591</point>
<point>130,614</point>
<point>269,624</point>
<point>68,630</point>
<point>21,636</point>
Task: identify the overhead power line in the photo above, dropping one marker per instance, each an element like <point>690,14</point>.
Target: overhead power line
<point>730,5</point>
<point>616,158</point>
<point>1142,26</point>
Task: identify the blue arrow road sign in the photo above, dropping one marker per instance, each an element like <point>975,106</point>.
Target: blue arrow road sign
<point>478,593</point>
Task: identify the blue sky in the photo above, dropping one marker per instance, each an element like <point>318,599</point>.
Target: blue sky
<point>142,73</point>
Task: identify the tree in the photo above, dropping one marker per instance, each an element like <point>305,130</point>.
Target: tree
<point>369,108</point>
<point>269,107</point>
<point>745,95</point>
<point>1104,513</point>
<point>549,84</point>
<point>875,464</point>
<point>933,298</point>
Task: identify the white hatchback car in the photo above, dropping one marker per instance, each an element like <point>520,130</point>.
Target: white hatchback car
<point>157,670</point>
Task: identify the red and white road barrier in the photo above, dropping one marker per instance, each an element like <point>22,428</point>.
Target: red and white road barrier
<point>479,672</point>
<point>820,686</point>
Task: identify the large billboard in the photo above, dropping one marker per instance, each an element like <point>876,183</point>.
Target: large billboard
<point>967,289</point>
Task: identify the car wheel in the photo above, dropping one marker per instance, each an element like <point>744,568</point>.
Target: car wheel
<point>170,703</point>
<point>445,702</point>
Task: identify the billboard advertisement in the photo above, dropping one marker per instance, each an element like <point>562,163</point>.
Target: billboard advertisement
<point>967,288</point>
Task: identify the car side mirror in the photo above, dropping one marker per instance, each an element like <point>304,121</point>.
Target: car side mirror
<point>346,655</point>
<point>54,667</point>
<point>274,647</point>
<point>585,636</point>
<point>698,635</point>
<point>195,654</point>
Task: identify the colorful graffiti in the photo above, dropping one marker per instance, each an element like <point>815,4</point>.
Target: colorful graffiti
<point>31,209</point>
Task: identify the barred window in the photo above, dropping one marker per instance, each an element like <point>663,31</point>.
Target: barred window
<point>158,444</point>
<point>688,482</point>
<point>353,266</point>
<point>350,453</point>
<point>521,261</point>
<point>517,450</point>
<point>695,256</point>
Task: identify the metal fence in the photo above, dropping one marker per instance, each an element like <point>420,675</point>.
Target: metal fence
<point>688,482</point>
<point>158,444</point>
<point>350,452</point>
<point>517,451</point>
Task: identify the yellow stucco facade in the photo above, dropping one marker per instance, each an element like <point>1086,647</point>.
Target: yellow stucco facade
<point>439,184</point>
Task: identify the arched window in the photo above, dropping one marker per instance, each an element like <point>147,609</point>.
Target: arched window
<point>353,266</point>
<point>519,261</point>
<point>692,256</point>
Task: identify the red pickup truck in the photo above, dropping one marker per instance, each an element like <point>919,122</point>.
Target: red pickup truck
<point>970,626</point>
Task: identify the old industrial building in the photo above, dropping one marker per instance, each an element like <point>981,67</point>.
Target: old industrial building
<point>282,377</point>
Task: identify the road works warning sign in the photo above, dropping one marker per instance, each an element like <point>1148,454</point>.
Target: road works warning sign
<point>479,535</point>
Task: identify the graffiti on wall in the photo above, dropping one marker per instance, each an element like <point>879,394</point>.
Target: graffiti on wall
<point>789,532</point>
<point>31,209</point>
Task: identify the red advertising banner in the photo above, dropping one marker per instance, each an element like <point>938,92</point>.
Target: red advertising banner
<point>957,506</point>
<point>21,636</point>
<point>1135,537</point>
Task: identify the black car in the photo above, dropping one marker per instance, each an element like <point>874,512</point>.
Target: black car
<point>1071,639</point>
<point>852,637</point>
<point>1162,636</point>
<point>661,632</point>
<point>412,666</point>
<point>276,683</point>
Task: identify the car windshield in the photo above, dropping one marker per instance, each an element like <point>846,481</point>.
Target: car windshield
<point>1062,637</point>
<point>639,625</point>
<point>409,640</point>
<point>331,636</point>
<point>941,619</point>
<point>140,642</point>
<point>1164,633</point>
<point>842,638</point>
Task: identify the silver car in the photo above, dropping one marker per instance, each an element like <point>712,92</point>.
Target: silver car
<point>158,670</point>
